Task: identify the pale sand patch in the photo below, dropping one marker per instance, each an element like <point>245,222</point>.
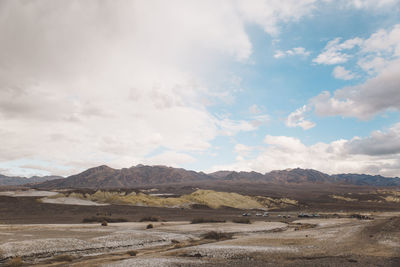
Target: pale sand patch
<point>227,227</point>
<point>71,201</point>
<point>28,193</point>
<point>159,262</point>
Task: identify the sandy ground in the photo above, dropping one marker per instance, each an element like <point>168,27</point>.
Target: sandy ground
<point>306,242</point>
<point>71,201</point>
<point>28,193</point>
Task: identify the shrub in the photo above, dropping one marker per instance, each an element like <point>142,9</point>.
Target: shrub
<point>14,262</point>
<point>102,219</point>
<point>64,257</point>
<point>149,226</point>
<point>149,219</point>
<point>217,235</point>
<point>242,220</point>
<point>206,220</point>
<point>132,253</point>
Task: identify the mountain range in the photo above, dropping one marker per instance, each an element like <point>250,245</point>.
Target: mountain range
<point>141,175</point>
<point>16,180</point>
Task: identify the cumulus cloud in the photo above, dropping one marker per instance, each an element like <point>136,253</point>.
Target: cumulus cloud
<point>378,144</point>
<point>292,52</point>
<point>86,83</point>
<point>378,56</point>
<point>359,155</point>
<point>340,72</point>
<point>365,100</point>
<point>297,119</point>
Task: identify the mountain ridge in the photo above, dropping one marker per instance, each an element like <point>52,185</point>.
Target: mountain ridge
<point>102,177</point>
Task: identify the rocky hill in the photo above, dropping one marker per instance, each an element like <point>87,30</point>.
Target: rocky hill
<point>106,177</point>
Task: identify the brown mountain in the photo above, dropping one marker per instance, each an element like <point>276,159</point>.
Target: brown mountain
<point>140,175</point>
<point>106,177</point>
<point>299,176</point>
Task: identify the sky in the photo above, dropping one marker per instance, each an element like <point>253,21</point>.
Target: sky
<point>239,85</point>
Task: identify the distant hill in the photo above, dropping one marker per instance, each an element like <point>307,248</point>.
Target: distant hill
<point>15,180</point>
<point>365,179</point>
<point>141,175</point>
<point>106,177</point>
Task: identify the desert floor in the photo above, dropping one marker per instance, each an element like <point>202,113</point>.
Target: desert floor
<point>300,242</point>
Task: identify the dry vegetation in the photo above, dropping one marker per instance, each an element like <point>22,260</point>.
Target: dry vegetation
<point>242,220</point>
<point>206,220</point>
<point>103,219</point>
<point>150,219</point>
<point>217,235</point>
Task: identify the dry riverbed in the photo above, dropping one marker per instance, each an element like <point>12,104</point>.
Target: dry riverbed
<point>309,242</point>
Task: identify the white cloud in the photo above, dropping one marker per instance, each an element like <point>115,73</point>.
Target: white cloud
<point>292,52</point>
<point>366,155</point>
<point>340,72</point>
<point>297,119</point>
<point>360,4</point>
<point>333,51</point>
<point>363,101</point>
<point>380,143</point>
<point>254,109</point>
<point>170,158</point>
<point>379,56</point>
<point>372,66</point>
<point>279,54</point>
<point>268,13</point>
<point>83,83</point>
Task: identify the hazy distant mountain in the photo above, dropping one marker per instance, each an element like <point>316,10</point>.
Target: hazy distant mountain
<point>15,180</point>
<point>140,175</point>
<point>365,179</point>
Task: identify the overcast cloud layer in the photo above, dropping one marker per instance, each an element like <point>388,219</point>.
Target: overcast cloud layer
<point>84,83</point>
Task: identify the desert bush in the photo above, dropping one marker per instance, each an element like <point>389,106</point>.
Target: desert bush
<point>149,219</point>
<point>206,220</point>
<point>217,235</point>
<point>132,253</point>
<point>63,257</point>
<point>14,262</point>
<point>149,226</point>
<point>242,220</point>
<point>102,219</point>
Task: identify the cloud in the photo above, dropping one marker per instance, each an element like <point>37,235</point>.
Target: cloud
<point>381,44</point>
<point>268,14</point>
<point>333,51</point>
<point>378,144</point>
<point>297,119</point>
<point>87,83</point>
<point>361,4</point>
<point>254,109</point>
<point>359,155</point>
<point>379,57</point>
<point>292,52</point>
<point>340,72</point>
<point>170,158</point>
<point>363,101</point>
